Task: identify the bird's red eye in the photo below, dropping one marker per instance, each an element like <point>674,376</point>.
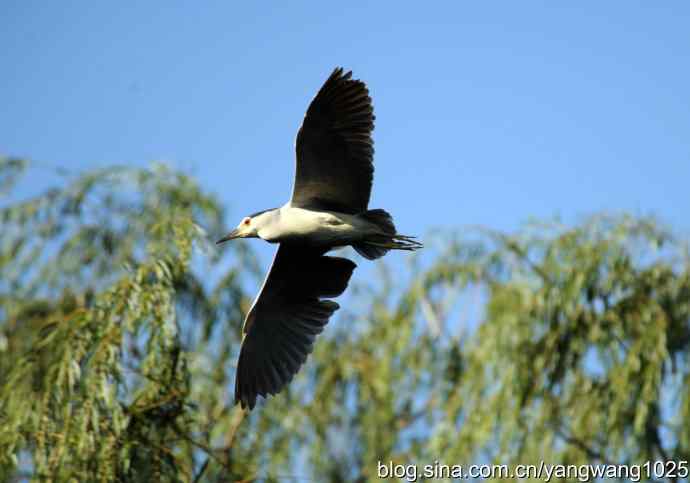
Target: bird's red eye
<point>246,221</point>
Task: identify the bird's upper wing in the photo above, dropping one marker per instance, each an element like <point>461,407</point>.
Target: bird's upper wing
<point>334,148</point>
<point>288,313</point>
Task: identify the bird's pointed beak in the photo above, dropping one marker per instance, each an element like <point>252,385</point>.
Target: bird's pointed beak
<point>230,236</point>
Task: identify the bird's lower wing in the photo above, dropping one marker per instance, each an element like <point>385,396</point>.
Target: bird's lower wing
<point>286,317</point>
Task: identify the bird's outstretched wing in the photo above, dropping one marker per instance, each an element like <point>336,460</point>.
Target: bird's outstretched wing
<point>334,148</point>
<point>286,316</point>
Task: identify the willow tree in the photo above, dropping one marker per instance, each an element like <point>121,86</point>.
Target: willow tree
<point>119,331</point>
<point>115,352</point>
<point>563,344</point>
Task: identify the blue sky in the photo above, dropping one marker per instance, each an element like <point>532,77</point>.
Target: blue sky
<point>487,113</point>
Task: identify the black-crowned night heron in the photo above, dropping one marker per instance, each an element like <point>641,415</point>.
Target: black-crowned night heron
<point>328,209</point>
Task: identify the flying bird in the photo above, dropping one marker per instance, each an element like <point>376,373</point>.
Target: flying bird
<point>328,209</point>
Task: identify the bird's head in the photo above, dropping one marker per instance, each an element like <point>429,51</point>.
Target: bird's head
<point>246,229</point>
<point>250,226</point>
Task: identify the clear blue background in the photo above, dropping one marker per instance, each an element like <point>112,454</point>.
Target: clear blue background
<point>487,112</point>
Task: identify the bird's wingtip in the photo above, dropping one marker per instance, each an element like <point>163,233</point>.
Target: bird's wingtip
<point>245,404</point>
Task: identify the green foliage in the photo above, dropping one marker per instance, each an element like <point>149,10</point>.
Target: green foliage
<point>583,347</point>
<point>119,329</point>
<point>96,291</point>
<point>580,356</point>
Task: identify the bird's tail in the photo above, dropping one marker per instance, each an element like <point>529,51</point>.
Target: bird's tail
<point>377,245</point>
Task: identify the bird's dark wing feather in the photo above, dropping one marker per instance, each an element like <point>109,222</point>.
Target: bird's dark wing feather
<point>334,148</point>
<point>286,316</point>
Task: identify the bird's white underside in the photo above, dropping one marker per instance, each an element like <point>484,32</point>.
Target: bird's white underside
<point>316,227</point>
